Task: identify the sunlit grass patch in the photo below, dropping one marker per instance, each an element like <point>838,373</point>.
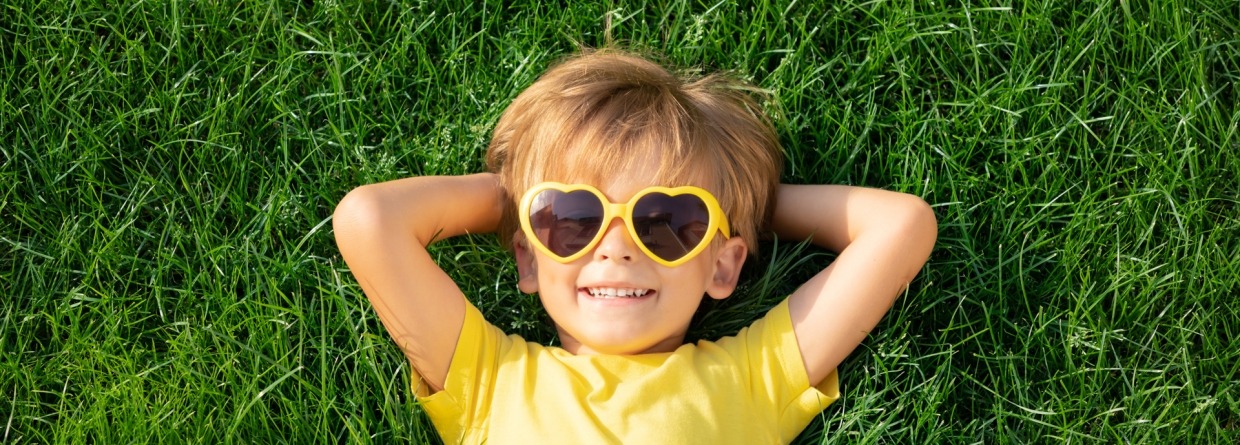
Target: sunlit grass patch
<point>169,272</point>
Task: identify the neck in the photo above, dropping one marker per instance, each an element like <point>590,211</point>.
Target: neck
<point>570,344</point>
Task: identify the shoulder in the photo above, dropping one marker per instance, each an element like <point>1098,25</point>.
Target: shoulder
<point>769,351</point>
<point>771,332</point>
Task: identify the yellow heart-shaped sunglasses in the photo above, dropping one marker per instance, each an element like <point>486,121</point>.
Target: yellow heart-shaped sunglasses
<point>670,225</point>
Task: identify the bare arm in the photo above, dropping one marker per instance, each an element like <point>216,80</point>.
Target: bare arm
<point>883,239</point>
<point>382,231</point>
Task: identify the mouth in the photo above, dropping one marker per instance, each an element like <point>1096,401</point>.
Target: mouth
<point>615,293</point>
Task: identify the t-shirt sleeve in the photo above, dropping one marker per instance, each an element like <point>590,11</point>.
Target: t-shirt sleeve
<point>461,407</point>
<point>777,372</point>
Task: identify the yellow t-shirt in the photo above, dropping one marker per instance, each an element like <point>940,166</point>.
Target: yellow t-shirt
<point>751,388</point>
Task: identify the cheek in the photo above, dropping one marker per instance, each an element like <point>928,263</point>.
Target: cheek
<point>688,275</point>
<point>554,273</point>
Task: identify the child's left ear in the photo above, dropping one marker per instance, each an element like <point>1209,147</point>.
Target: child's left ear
<point>728,262</point>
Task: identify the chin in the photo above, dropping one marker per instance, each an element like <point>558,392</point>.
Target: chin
<point>613,343</point>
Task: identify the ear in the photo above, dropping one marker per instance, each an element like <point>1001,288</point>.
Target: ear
<point>728,262</point>
<point>527,266</point>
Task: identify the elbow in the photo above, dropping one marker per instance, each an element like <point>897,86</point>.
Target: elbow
<point>925,219</point>
<point>922,227</point>
<point>359,212</point>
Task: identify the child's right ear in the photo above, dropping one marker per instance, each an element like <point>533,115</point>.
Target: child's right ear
<point>527,266</point>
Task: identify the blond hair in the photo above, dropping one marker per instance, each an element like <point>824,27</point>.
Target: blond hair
<point>608,111</point>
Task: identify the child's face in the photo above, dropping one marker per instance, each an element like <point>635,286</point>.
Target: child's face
<point>653,321</point>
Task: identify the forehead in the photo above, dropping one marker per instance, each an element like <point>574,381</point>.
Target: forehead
<point>616,148</point>
<point>620,177</point>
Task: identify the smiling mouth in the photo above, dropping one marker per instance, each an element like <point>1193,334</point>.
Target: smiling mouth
<point>608,293</point>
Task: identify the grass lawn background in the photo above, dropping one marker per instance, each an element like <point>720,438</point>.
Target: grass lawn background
<point>167,171</point>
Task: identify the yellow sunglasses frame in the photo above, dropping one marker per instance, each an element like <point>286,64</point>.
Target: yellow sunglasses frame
<point>718,220</point>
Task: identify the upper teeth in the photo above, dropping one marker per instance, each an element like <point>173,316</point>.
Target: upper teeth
<point>611,292</point>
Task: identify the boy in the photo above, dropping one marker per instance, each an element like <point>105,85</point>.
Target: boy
<point>628,195</point>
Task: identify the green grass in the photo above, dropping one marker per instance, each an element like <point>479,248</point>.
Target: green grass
<point>167,171</point>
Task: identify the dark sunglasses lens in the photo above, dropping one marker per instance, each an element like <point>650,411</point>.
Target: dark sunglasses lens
<point>670,226</point>
<point>565,222</point>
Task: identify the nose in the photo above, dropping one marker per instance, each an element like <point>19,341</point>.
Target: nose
<point>616,243</point>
